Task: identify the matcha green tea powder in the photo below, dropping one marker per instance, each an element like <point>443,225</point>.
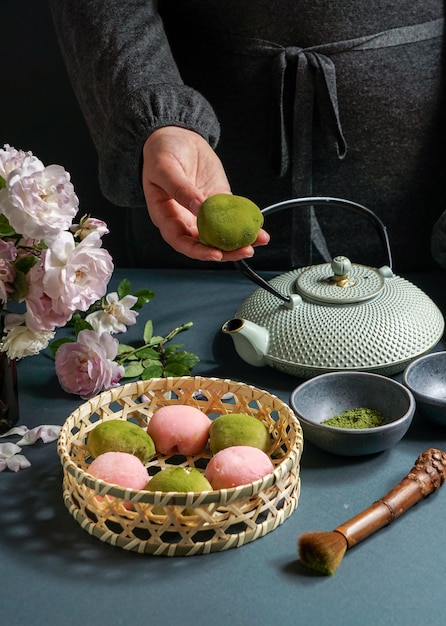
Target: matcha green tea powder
<point>356,418</point>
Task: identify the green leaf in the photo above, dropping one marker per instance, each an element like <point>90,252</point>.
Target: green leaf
<point>173,348</point>
<point>156,340</point>
<point>25,263</point>
<point>54,345</point>
<point>144,296</point>
<point>187,359</point>
<point>147,353</point>
<point>154,371</point>
<point>176,369</point>
<point>133,370</point>
<point>148,331</point>
<point>2,182</point>
<point>123,349</point>
<point>124,288</point>
<point>20,286</point>
<point>150,362</point>
<point>6,229</point>
<point>80,324</point>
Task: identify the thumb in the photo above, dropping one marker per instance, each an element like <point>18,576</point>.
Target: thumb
<point>190,197</point>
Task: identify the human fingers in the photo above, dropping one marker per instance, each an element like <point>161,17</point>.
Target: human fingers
<point>184,165</point>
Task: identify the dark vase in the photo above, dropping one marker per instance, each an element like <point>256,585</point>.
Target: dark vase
<point>9,396</point>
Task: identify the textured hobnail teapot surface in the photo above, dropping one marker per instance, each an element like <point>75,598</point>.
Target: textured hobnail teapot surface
<point>378,324</point>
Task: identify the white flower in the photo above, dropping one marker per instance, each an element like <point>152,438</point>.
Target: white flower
<point>115,316</point>
<point>11,159</point>
<point>21,341</point>
<point>76,276</point>
<point>39,203</point>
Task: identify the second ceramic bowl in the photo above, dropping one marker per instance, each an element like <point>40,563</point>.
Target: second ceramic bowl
<point>426,378</point>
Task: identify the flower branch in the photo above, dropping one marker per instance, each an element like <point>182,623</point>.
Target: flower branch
<point>100,359</point>
<point>154,359</point>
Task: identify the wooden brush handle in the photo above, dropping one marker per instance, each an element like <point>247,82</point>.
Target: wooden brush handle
<point>427,475</point>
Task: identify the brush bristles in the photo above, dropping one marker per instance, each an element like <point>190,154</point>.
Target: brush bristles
<point>322,551</point>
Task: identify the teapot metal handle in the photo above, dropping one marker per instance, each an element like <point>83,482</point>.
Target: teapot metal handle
<point>312,202</point>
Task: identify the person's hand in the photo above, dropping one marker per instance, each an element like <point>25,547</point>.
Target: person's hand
<point>180,170</point>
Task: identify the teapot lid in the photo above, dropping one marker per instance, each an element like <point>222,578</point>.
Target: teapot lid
<point>341,282</point>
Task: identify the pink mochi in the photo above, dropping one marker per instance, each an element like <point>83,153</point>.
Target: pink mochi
<point>179,429</point>
<point>120,468</point>
<point>237,465</point>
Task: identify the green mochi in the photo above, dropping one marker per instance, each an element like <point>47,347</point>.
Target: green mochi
<point>177,478</point>
<point>228,222</point>
<point>120,436</point>
<point>238,429</point>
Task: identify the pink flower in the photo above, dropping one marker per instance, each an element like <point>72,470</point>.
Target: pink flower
<point>76,276</point>
<point>86,367</point>
<point>8,254</point>
<point>8,251</point>
<point>7,275</point>
<point>41,314</point>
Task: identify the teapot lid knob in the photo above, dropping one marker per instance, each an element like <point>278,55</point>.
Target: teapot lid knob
<point>339,282</point>
<point>341,266</point>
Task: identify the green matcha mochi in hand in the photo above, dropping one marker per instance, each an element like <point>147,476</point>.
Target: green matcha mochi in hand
<point>120,436</point>
<point>228,222</point>
<point>238,429</point>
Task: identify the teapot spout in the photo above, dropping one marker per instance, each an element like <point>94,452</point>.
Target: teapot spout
<point>250,340</point>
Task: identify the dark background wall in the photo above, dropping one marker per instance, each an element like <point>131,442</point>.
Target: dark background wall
<point>39,112</point>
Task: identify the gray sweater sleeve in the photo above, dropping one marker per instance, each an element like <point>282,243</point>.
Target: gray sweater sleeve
<point>127,84</point>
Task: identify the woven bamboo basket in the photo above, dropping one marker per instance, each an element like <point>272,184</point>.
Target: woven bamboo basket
<point>181,524</point>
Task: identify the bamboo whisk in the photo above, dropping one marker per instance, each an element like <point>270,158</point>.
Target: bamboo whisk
<point>324,551</point>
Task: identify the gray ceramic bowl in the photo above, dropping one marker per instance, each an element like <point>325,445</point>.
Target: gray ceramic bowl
<point>426,378</point>
<point>331,394</point>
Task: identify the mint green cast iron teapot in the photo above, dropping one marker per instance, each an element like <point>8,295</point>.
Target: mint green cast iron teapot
<point>334,316</point>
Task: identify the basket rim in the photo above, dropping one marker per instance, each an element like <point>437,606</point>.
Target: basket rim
<point>174,497</point>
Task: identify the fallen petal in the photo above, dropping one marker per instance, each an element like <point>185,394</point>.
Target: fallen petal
<point>46,432</point>
<point>18,462</point>
<point>17,430</point>
<point>7,450</point>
